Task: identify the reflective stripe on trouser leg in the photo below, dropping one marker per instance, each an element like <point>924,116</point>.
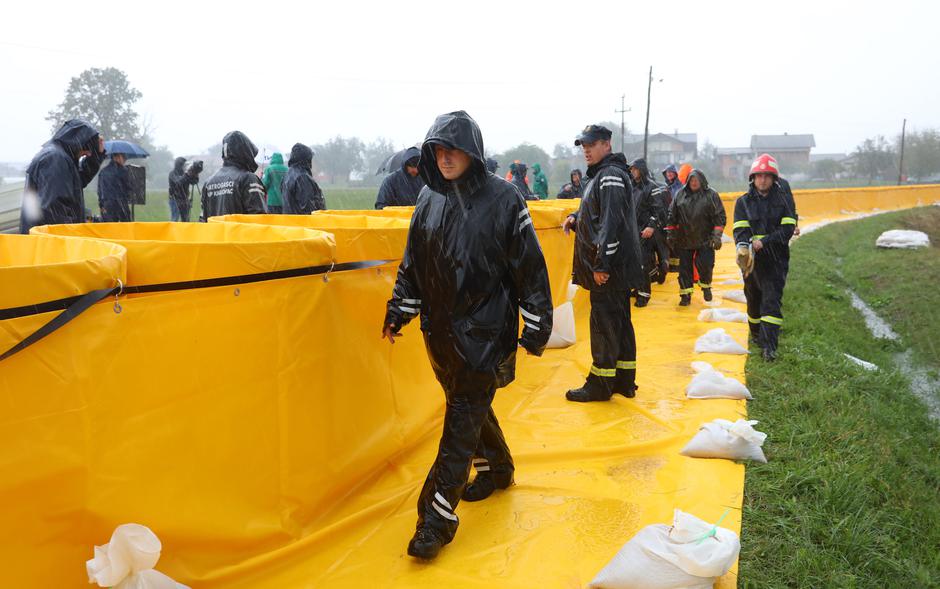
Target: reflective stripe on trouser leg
<point>686,277</point>
<point>771,276</point>
<point>705,264</point>
<point>467,408</point>
<point>492,453</point>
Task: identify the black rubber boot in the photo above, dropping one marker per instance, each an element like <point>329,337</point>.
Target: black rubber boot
<point>425,544</point>
<point>483,486</point>
<point>663,271</point>
<point>707,293</point>
<point>770,354</point>
<point>685,300</point>
<point>625,383</point>
<point>595,389</point>
<point>641,301</point>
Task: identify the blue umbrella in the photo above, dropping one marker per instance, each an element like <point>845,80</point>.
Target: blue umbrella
<point>126,148</point>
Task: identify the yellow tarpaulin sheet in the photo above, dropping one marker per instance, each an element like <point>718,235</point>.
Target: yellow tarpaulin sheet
<point>271,439</point>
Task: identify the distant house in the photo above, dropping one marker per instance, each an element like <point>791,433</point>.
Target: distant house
<point>735,162</point>
<point>789,150</point>
<point>662,148</point>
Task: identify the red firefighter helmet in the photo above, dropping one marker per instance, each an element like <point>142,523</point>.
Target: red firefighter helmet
<point>764,164</point>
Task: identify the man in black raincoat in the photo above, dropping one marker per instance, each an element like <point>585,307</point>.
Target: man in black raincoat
<point>764,221</point>
<point>114,191</point>
<point>518,180</point>
<point>180,179</point>
<point>491,165</point>
<point>694,229</point>
<point>471,265</point>
<point>650,219</point>
<point>235,189</point>
<point>573,189</point>
<point>299,191</point>
<point>401,187</point>
<point>58,173</point>
<point>608,263</point>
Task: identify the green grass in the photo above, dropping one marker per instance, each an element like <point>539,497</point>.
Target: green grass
<point>851,495</point>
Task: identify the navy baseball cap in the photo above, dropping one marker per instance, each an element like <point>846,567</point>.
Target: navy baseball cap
<point>593,133</point>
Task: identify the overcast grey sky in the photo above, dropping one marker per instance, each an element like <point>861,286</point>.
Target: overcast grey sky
<point>526,71</point>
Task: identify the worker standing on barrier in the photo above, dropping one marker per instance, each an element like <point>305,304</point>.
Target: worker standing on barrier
<point>401,187</point>
<point>299,191</point>
<point>235,189</point>
<point>764,221</point>
<point>472,264</point>
<point>58,173</point>
<point>650,217</point>
<point>671,174</point>
<point>694,229</point>
<point>607,262</point>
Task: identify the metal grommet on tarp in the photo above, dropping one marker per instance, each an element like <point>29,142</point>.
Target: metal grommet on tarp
<point>117,302</point>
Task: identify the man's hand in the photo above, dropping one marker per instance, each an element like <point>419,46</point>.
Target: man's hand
<point>569,224</point>
<point>390,333</point>
<point>601,278</point>
<point>796,231</point>
<point>757,245</point>
<point>647,233</point>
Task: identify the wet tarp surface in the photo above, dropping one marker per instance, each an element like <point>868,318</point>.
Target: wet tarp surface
<point>270,438</point>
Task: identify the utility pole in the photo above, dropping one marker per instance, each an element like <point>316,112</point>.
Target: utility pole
<point>646,131</point>
<point>623,98</point>
<point>901,163</point>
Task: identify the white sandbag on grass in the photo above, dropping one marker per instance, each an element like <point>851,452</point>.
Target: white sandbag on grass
<point>127,561</point>
<point>718,341</point>
<point>721,438</point>
<point>733,295</point>
<point>902,239</point>
<point>690,554</point>
<point>723,315</point>
<point>562,327</point>
<point>708,383</point>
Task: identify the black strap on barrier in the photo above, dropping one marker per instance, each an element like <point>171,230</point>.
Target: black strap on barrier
<point>72,307</point>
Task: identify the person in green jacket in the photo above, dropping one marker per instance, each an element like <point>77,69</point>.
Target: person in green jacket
<point>540,187</point>
<point>273,175</point>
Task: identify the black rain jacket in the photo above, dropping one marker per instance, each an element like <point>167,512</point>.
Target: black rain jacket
<point>56,176</point>
<point>179,182</point>
<point>400,189</point>
<point>114,191</point>
<point>771,219</point>
<point>648,198</point>
<point>695,216</point>
<point>572,190</point>
<point>300,193</point>
<point>235,189</point>
<point>471,265</point>
<point>518,180</point>
<point>606,238</point>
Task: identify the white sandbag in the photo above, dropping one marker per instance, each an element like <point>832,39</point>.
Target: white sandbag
<point>732,282</point>
<point>708,383</point>
<point>721,438</point>
<point>572,291</point>
<point>562,327</point>
<point>690,554</point>
<point>860,362</point>
<point>719,342</point>
<point>902,239</point>
<point>726,239</point>
<point>724,315</point>
<point>127,561</point>
<point>733,295</point>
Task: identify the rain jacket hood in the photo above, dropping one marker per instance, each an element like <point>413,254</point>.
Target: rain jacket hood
<point>701,177</point>
<point>239,151</point>
<point>277,159</point>
<point>178,164</point>
<point>695,216</point>
<point>75,135</point>
<point>302,156</point>
<point>640,164</point>
<point>537,168</point>
<point>456,130</point>
<point>412,153</point>
<point>671,168</point>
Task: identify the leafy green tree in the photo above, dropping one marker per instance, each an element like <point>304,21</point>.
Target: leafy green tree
<point>340,157</point>
<point>874,158</point>
<point>922,154</point>
<point>104,98</point>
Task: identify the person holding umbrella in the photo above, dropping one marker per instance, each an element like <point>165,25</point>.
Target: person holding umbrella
<point>114,190</point>
<point>401,187</point>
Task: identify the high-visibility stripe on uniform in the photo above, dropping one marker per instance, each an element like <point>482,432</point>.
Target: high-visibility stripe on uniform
<point>788,221</point>
<point>411,310</point>
<point>754,320</point>
<point>529,316</point>
<point>686,290</point>
<point>772,319</point>
<point>673,261</point>
<point>703,285</point>
<point>756,237</point>
<point>626,364</point>
<point>605,372</point>
<point>523,225</point>
<point>740,224</point>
